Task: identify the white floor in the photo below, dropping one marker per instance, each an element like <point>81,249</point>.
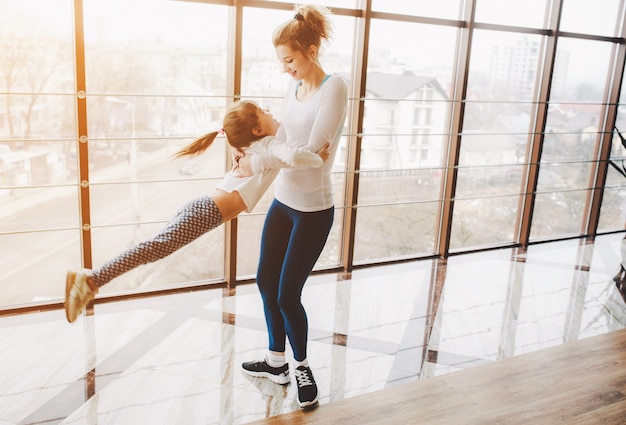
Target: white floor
<point>176,359</point>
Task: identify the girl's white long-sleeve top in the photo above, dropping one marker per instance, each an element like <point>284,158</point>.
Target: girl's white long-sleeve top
<point>309,125</point>
<point>277,154</point>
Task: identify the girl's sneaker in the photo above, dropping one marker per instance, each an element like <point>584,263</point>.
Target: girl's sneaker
<point>79,291</point>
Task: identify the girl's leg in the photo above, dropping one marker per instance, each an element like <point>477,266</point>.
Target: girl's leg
<point>192,221</point>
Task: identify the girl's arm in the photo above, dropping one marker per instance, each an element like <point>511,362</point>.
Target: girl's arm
<point>281,155</point>
<point>278,154</point>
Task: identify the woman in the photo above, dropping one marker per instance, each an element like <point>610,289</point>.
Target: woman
<point>300,218</point>
<point>249,130</point>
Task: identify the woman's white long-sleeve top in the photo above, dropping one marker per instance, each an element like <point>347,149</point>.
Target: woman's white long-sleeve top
<point>277,154</point>
<point>309,125</point>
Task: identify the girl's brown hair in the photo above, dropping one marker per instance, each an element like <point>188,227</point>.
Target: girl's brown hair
<point>309,27</point>
<point>239,121</point>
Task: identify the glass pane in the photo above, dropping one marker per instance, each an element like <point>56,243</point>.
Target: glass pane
<point>558,214</point>
<point>405,128</point>
<point>560,176</point>
<point>571,137</point>
<point>614,199</point>
<point>591,17</point>
<point>503,66</point>
<point>392,231</point>
<point>37,149</point>
<point>530,13</point>
<point>36,208</point>
<point>580,71</point>
<point>398,185</point>
<point>483,221</point>
<point>497,120</point>
<point>402,70</point>
<point>351,4</point>
<point>249,228</point>
<point>37,274</point>
<point>121,160</point>
<point>261,72</point>
<point>571,132</point>
<point>613,207</point>
<point>445,9</point>
<point>154,116</point>
<point>182,46</point>
<point>488,181</point>
<point>33,117</point>
<point>36,35</point>
<point>33,163</point>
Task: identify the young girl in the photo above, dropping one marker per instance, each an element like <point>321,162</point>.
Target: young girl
<point>249,130</point>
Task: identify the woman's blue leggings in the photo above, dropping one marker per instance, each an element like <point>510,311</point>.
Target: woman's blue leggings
<point>291,243</point>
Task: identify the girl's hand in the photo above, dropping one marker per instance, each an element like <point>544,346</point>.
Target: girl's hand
<point>324,152</point>
<point>241,164</point>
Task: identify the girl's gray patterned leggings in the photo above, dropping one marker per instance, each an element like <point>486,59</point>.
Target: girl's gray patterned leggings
<point>193,220</point>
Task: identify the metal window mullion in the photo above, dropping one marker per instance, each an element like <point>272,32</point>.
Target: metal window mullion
<point>603,147</point>
<point>527,201</point>
<point>356,137</point>
<point>82,144</point>
<point>234,88</point>
<point>453,150</point>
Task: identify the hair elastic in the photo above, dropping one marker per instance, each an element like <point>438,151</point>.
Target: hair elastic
<point>221,132</point>
<point>298,17</point>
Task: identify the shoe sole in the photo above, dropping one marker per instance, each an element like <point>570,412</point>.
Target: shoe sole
<point>307,403</point>
<point>277,379</point>
<point>69,280</point>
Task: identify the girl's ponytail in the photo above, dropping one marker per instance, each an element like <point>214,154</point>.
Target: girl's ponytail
<point>197,146</point>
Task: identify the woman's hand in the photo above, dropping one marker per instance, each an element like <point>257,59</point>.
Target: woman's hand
<point>324,152</point>
<point>241,164</point>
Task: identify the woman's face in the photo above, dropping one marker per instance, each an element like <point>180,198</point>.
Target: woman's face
<point>294,62</point>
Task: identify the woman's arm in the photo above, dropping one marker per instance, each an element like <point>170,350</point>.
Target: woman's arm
<point>330,114</point>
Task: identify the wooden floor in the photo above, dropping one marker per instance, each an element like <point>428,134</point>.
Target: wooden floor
<point>581,382</point>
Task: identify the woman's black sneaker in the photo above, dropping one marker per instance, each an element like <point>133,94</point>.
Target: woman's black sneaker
<point>307,388</point>
<point>280,375</point>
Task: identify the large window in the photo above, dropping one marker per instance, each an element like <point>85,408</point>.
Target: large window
<point>498,115</point>
<point>571,136</point>
<point>470,125</point>
<point>154,82</point>
<point>406,112</point>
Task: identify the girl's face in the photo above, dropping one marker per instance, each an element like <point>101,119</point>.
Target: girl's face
<point>294,62</point>
<point>267,123</point>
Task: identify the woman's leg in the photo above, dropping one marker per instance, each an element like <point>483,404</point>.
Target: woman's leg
<point>193,220</point>
<point>308,237</point>
<point>274,242</point>
<point>291,243</point>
